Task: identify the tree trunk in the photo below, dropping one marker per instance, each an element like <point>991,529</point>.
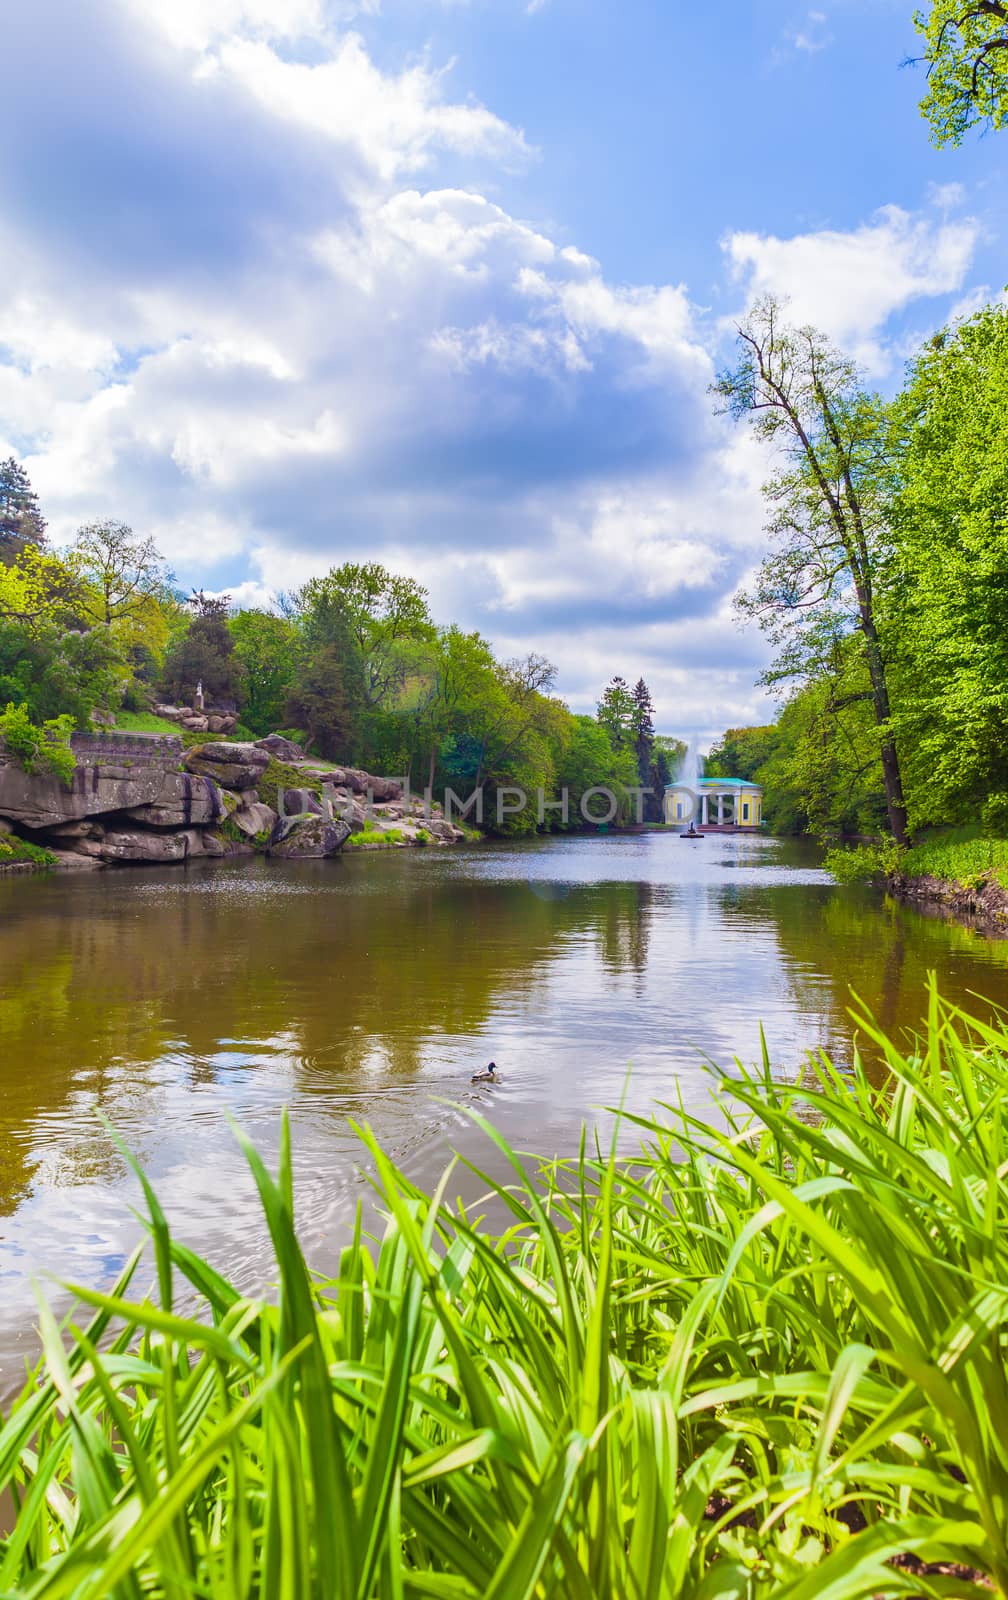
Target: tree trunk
<point>891,777</point>
<point>430,771</point>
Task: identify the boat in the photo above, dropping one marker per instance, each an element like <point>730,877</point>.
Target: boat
<point>692,834</point>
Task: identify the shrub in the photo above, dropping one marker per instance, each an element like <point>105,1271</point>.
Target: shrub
<point>864,863</point>
<point>41,750</point>
<point>14,850</point>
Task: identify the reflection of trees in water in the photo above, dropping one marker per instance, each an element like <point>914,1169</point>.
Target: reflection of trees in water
<point>625,926</point>
<point>843,941</point>
<point>113,989</point>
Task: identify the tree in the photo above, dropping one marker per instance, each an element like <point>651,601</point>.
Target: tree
<point>204,654</point>
<point>828,525</point>
<point>322,703</point>
<point>615,711</point>
<point>949,588</point>
<point>55,671</point>
<point>642,729</point>
<point>21,521</point>
<point>127,576</point>
<point>383,612</point>
<point>270,651</point>
<point>966,52</point>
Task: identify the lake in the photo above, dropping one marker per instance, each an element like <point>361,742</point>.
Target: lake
<point>370,988</point>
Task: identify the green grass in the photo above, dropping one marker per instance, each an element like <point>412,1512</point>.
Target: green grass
<point>14,850</point>
<point>962,861</point>
<point>145,722</point>
<point>379,836</point>
<point>762,1361</point>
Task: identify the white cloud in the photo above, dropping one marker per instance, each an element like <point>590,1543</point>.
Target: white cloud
<point>850,283</point>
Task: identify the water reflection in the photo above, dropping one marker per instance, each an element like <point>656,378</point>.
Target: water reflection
<point>370,989</point>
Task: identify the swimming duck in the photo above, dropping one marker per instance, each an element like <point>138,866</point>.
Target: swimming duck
<point>489,1076</point>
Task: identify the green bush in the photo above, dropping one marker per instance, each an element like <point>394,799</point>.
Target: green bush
<point>765,1358</point>
<point>14,850</point>
<point>44,750</point>
<point>864,863</point>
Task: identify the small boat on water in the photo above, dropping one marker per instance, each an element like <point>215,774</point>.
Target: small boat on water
<point>691,833</point>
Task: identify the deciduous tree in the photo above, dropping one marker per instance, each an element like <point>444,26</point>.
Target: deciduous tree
<point>966,54</point>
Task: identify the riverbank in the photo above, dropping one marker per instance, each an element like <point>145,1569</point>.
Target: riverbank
<point>735,1364</point>
<point>962,874</point>
<point>149,798</point>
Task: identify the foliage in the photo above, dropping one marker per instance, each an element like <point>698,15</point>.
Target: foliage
<point>14,851</point>
<point>966,52</point>
<point>815,590</point>
<point>963,861</point>
<point>767,1360</point>
<point>382,612</point>
<point>204,653</point>
<point>144,722</point>
<point>125,583</point>
<point>380,837</point>
<point>21,521</point>
<point>616,710</point>
<point>41,750</point>
<point>270,653</point>
<point>323,703</point>
<point>865,863</point>
<point>279,775</point>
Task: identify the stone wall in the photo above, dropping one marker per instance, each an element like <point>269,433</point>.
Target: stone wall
<point>154,749</point>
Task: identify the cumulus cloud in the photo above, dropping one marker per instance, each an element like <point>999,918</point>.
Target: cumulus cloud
<point>232,314</point>
<point>851,283</point>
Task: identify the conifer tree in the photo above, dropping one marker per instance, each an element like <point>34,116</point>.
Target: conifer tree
<point>21,521</point>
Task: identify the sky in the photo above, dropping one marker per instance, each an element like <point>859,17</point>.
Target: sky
<point>443,283</point>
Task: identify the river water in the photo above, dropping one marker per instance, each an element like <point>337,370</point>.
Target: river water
<point>370,988</point>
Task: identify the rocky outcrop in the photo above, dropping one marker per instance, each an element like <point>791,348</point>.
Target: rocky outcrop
<point>233,766</point>
<point>137,798</point>
<point>197,721</point>
<point>307,836</point>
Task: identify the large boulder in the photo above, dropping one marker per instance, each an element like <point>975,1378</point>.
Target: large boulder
<point>254,819</point>
<point>123,846</point>
<point>232,764</point>
<point>299,837</point>
<point>296,802</point>
<point>281,749</point>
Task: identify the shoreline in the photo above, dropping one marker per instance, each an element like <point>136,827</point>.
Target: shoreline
<point>980,906</point>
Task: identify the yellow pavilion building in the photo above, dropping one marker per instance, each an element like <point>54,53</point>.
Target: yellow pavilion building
<point>733,805</point>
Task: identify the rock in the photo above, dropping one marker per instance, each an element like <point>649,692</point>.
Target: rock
<point>126,846</point>
<point>445,832</point>
<point>74,861</point>
<point>171,713</point>
<point>216,724</point>
<point>307,836</point>
<point>298,801</point>
<point>184,802</point>
<point>385,788</point>
<point>196,724</point>
<point>103,719</point>
<point>281,749</point>
<point>254,818</point>
<point>102,786</point>
<point>5,827</point>
<point>232,765</point>
<point>82,829</point>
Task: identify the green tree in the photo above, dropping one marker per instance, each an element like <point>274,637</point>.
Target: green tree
<point>616,711</point>
<point>966,54</point>
<point>828,528</point>
<point>322,702</point>
<point>949,580</point>
<point>204,653</point>
<point>57,671</point>
<point>383,612</point>
<point>21,521</point>
<point>270,652</point>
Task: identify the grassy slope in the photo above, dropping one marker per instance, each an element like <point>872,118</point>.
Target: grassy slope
<point>761,1363</point>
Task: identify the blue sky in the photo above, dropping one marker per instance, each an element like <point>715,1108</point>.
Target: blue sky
<point>443,283</point>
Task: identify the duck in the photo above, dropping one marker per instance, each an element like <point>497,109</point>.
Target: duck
<point>489,1076</point>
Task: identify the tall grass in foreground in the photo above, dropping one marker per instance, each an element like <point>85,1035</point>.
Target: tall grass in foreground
<point>764,1361</point>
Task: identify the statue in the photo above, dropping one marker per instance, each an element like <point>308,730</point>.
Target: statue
<point>198,698</point>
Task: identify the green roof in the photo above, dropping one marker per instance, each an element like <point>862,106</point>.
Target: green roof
<point>718,783</point>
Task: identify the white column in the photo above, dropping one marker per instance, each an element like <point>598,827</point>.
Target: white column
<point>703,811</point>
<point>720,810</point>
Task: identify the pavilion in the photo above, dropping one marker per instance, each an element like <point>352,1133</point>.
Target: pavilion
<point>732,804</point>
